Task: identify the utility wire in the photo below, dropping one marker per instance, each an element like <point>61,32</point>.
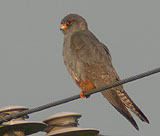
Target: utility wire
<point>43,107</point>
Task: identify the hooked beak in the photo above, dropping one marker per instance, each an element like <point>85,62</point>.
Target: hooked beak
<point>63,26</point>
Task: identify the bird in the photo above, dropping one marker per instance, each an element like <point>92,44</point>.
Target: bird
<point>89,63</point>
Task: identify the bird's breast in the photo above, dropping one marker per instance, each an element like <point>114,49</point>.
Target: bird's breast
<point>67,52</point>
<point>73,64</point>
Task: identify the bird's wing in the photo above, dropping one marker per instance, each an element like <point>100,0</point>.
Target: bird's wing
<point>96,65</point>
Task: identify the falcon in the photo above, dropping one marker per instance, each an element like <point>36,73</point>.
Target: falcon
<point>90,64</point>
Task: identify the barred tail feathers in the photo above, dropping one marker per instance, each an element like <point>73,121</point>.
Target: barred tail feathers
<point>115,101</point>
<point>127,101</point>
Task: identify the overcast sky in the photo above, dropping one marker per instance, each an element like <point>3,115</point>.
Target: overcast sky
<point>32,72</point>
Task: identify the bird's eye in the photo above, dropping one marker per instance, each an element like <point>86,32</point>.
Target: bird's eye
<point>68,22</point>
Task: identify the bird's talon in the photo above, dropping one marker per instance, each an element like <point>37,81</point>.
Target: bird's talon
<point>82,94</point>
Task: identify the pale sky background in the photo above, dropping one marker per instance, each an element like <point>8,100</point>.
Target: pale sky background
<point>32,72</point>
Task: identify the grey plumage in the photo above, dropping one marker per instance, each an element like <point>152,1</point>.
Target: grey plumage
<point>86,57</point>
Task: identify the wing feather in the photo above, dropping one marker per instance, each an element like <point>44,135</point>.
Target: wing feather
<point>95,63</point>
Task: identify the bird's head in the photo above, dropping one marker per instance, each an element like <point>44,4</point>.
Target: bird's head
<point>73,23</point>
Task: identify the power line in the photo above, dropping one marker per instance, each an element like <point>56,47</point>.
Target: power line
<point>43,107</point>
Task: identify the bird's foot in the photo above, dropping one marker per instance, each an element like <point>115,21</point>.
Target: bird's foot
<point>83,96</point>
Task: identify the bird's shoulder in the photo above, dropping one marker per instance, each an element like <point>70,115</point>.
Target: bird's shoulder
<point>86,42</point>
<point>83,38</point>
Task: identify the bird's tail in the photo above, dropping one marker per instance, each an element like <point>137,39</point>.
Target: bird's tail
<point>114,99</point>
<point>127,101</point>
